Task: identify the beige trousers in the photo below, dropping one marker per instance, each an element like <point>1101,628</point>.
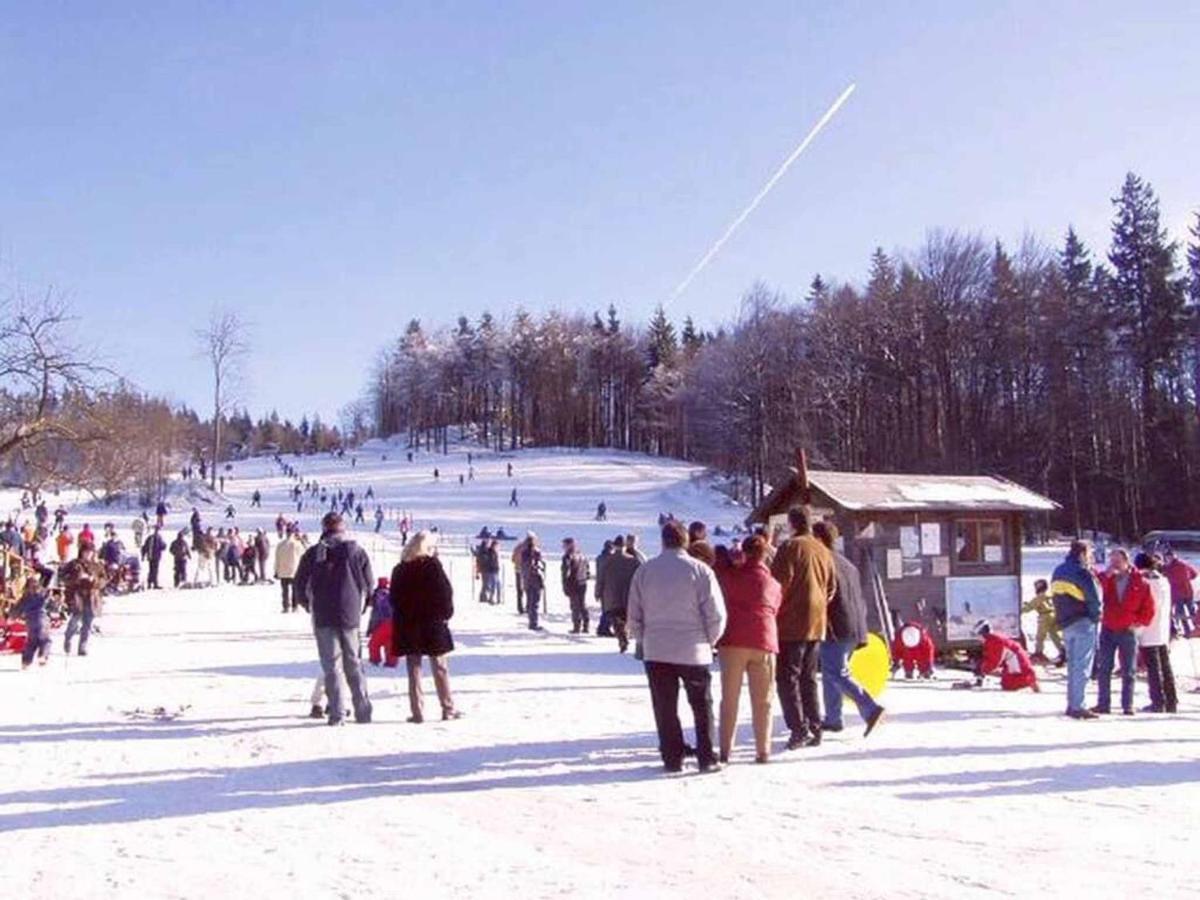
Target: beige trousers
<point>441,681</point>
<point>738,663</point>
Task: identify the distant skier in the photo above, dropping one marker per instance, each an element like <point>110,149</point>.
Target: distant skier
<point>160,513</point>
<point>510,470</point>
<point>437,475</point>
<point>378,518</point>
<point>602,512</point>
<point>512,500</point>
<point>256,499</point>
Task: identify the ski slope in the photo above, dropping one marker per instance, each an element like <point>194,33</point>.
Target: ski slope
<point>176,760</point>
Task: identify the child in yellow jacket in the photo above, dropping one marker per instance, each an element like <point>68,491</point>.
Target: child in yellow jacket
<point>1042,604</point>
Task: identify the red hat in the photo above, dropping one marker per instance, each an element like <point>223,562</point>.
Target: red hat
<point>383,583</point>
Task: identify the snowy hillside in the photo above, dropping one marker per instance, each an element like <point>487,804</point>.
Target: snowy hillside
<point>176,760</point>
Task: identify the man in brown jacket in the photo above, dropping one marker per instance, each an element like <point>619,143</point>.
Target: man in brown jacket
<point>83,580</point>
<point>805,569</point>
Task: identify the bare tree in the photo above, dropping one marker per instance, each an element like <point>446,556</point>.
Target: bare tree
<point>40,367</point>
<point>223,344</point>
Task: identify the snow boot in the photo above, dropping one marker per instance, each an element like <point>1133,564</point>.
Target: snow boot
<point>316,712</point>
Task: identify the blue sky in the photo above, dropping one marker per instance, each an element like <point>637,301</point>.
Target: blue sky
<point>333,170</point>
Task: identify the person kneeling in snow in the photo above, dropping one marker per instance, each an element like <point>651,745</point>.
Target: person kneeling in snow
<point>379,626</point>
<point>913,648</point>
<point>1004,656</point>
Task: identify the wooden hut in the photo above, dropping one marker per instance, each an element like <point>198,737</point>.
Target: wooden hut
<point>944,550</point>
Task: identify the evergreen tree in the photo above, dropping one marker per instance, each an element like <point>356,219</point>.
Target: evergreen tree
<point>663,345</point>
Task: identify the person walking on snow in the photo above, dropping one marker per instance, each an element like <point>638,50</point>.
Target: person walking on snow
<point>805,569</point>
<point>1042,605</point>
<point>181,553</point>
<point>1155,639</point>
<point>32,608</point>
<point>287,560</point>
<point>749,645</point>
<point>83,580</point>
<point>846,632</point>
<point>333,580</point>
<point>1128,606</point>
<point>574,584</point>
<point>512,500</point>
<point>152,551</point>
<point>677,612</point>
<point>422,607</point>
<point>1181,576</point>
<point>533,578</point>
<point>379,626</point>
<point>1077,610</point>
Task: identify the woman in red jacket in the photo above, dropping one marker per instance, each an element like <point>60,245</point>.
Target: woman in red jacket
<point>1128,604</point>
<point>749,644</point>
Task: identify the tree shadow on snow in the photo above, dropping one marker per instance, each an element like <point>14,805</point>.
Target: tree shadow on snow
<point>600,762</point>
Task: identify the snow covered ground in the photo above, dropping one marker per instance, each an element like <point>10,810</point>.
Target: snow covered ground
<point>176,759</point>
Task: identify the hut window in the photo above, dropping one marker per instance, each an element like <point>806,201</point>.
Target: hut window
<point>980,541</point>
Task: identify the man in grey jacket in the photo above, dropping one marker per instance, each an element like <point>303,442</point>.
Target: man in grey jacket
<point>678,613</point>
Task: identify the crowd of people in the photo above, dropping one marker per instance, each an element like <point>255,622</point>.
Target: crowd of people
<point>781,619</point>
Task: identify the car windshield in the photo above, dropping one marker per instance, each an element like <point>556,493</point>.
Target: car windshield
<point>1187,542</point>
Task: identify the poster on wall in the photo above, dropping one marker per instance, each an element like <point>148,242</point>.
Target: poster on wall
<point>996,598</point>
<point>931,539</point>
<point>941,566</point>
<point>895,565</point>
<point>910,541</point>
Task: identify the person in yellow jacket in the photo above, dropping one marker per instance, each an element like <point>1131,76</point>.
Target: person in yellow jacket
<point>1042,605</point>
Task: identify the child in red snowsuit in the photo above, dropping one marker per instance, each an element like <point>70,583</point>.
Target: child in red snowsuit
<point>1005,656</point>
<point>379,627</point>
<point>913,648</point>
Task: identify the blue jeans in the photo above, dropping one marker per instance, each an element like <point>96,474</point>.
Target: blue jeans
<point>1115,645</point>
<point>80,623</point>
<point>836,681</point>
<point>1080,638</point>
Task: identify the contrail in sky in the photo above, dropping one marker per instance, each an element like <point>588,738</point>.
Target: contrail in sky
<point>766,189</point>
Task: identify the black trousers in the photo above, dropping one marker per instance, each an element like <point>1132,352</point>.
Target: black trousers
<point>796,681</point>
<point>152,577</point>
<point>665,679</point>
<point>285,589</point>
<point>180,571</point>
<point>1161,678</point>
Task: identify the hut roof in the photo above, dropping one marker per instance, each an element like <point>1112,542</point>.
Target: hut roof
<point>874,492</point>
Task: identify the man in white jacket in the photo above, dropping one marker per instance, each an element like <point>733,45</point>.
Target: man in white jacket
<point>677,612</point>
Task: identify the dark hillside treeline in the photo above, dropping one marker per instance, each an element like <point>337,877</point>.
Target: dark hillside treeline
<point>1076,375</point>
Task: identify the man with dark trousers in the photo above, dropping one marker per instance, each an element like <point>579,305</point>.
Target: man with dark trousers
<point>677,611</point>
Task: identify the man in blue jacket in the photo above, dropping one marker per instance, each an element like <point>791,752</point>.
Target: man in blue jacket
<point>333,579</point>
<point>1077,609</point>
